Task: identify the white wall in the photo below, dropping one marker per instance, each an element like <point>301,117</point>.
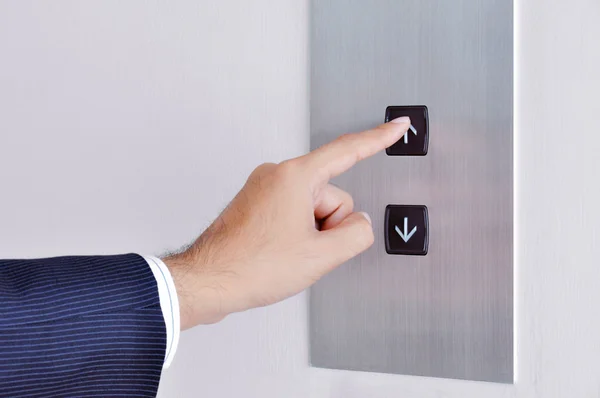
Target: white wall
<point>126,126</point>
<point>129,125</point>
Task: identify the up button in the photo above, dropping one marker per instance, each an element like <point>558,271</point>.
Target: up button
<point>416,139</point>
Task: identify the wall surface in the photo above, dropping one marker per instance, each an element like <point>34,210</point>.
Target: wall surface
<point>127,126</point>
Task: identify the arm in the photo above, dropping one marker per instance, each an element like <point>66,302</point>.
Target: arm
<point>75,326</point>
<point>93,326</point>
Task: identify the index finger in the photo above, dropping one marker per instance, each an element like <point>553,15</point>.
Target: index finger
<point>336,157</point>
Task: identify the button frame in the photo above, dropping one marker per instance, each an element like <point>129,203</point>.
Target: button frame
<point>394,111</point>
<point>407,252</point>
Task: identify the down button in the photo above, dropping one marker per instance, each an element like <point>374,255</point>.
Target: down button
<point>406,229</point>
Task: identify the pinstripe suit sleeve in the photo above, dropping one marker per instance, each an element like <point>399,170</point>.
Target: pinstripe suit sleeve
<point>80,327</point>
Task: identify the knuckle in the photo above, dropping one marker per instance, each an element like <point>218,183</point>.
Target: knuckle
<point>286,169</point>
<point>261,174</point>
<point>264,168</point>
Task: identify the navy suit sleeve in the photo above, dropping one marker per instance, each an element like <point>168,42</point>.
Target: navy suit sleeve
<point>80,327</point>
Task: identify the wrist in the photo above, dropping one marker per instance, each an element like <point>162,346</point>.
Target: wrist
<point>199,294</point>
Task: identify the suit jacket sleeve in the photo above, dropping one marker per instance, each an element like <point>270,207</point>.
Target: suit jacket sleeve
<point>80,327</point>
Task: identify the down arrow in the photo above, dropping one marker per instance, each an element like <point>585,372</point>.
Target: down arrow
<point>406,235</point>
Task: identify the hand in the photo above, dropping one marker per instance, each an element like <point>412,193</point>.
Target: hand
<point>284,230</point>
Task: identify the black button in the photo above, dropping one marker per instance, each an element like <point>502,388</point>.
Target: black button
<point>416,139</point>
<point>406,229</point>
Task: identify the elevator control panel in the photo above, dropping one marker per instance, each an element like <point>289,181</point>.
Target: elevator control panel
<point>433,295</point>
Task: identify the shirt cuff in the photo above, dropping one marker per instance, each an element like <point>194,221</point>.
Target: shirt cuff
<point>169,305</point>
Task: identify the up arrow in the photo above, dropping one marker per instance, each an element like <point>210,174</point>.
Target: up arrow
<point>414,130</point>
<point>405,235</point>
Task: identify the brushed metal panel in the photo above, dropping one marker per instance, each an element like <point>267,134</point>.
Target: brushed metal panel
<point>450,313</point>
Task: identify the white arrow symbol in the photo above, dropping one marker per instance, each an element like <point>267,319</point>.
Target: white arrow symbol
<point>413,129</point>
<point>406,235</point>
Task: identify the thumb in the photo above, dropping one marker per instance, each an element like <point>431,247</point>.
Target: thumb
<point>349,238</point>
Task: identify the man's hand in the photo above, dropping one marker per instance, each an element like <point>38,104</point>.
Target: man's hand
<point>284,230</point>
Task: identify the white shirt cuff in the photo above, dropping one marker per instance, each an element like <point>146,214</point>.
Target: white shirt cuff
<point>169,305</point>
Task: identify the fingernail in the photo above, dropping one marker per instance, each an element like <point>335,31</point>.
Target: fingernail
<point>367,217</point>
<point>402,119</point>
